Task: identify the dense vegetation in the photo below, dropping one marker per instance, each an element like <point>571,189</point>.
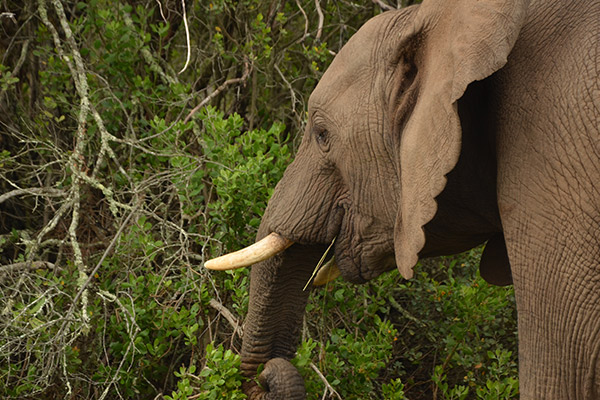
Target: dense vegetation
<point>125,162</point>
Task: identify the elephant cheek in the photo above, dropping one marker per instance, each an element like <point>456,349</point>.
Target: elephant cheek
<point>364,247</point>
<point>308,203</point>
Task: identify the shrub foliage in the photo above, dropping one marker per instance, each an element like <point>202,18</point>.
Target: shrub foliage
<point>140,137</point>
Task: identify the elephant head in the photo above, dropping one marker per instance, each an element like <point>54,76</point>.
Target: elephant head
<point>396,163</point>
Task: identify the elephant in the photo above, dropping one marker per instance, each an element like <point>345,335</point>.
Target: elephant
<point>437,128</point>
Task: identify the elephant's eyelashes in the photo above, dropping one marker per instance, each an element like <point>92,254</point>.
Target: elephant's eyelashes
<point>322,137</point>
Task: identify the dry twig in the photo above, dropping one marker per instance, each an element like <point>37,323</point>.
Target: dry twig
<point>19,63</point>
<point>383,6</point>
<point>25,265</point>
<point>305,22</point>
<point>328,387</point>
<point>187,37</point>
<point>227,315</point>
<point>33,192</point>
<point>222,87</point>
<point>321,19</point>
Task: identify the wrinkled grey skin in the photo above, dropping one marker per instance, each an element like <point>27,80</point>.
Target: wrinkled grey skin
<point>437,128</point>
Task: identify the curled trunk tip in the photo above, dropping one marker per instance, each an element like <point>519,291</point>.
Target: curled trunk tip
<point>280,380</point>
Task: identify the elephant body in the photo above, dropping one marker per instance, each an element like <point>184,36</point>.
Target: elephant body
<point>549,200</point>
<point>437,128</point>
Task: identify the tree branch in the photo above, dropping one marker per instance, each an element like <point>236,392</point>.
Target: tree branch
<point>187,37</point>
<point>383,6</point>
<point>30,265</point>
<point>321,19</point>
<point>223,86</point>
<point>33,192</point>
<point>150,60</point>
<point>305,22</point>
<point>19,64</point>
<point>228,316</point>
<point>328,387</point>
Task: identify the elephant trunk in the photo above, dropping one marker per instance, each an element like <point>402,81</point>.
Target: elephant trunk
<point>279,380</point>
<point>272,327</point>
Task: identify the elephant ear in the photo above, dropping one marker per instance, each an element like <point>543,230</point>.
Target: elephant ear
<point>458,42</point>
<point>494,266</point>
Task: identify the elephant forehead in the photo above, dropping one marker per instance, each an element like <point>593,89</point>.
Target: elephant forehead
<point>357,63</point>
<point>340,106</point>
<point>341,82</point>
<point>347,85</point>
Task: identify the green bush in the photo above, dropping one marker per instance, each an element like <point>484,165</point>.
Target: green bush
<point>446,333</point>
<point>220,378</point>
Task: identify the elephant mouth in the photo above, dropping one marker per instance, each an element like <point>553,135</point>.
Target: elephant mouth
<point>363,254</point>
<point>356,257</point>
<point>277,241</point>
<point>268,247</point>
<point>358,250</point>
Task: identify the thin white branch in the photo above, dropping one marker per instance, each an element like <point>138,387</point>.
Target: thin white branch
<point>67,383</point>
<point>321,19</point>
<point>305,22</point>
<point>83,287</point>
<point>187,38</point>
<point>78,72</point>
<point>147,55</point>
<point>9,15</point>
<point>218,90</point>
<point>132,330</point>
<point>292,93</point>
<point>81,267</point>
<point>383,6</point>
<point>325,381</point>
<point>77,159</point>
<point>161,11</point>
<point>26,265</point>
<point>50,192</point>
<point>65,206</point>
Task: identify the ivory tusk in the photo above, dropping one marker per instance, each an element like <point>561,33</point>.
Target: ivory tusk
<point>259,251</point>
<point>327,273</point>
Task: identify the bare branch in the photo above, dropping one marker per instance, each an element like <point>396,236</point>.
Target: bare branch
<point>77,159</point>
<point>9,15</point>
<point>19,64</point>
<point>228,316</point>
<point>187,37</point>
<point>84,285</point>
<point>50,192</point>
<point>162,14</point>
<point>223,86</point>
<point>65,206</point>
<point>321,19</point>
<point>328,387</point>
<point>383,6</point>
<point>148,57</point>
<point>292,93</point>
<point>132,328</point>
<point>29,265</point>
<point>305,22</point>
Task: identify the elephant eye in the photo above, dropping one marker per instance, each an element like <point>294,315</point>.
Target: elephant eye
<point>322,137</point>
